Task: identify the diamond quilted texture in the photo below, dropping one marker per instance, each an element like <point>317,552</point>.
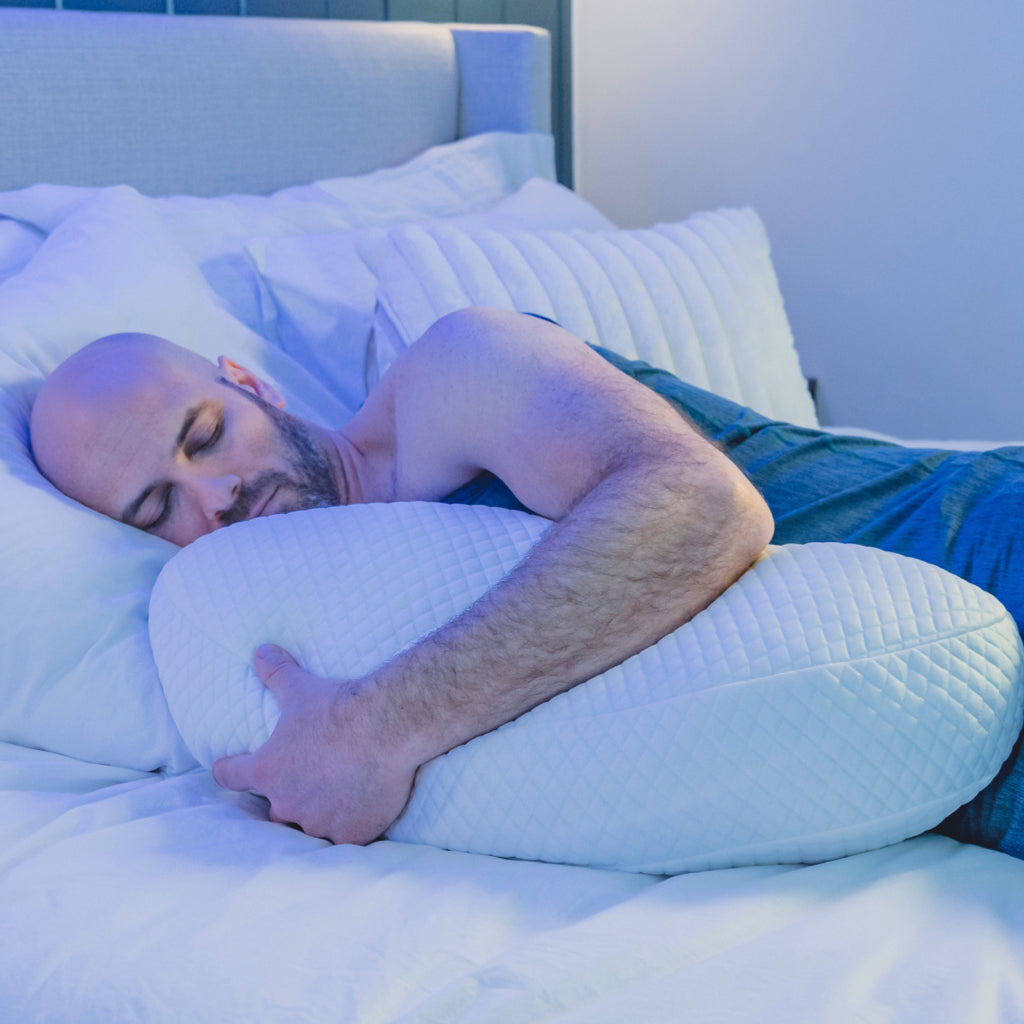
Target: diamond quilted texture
<point>833,700</point>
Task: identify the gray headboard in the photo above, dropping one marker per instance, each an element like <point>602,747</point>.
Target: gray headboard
<point>206,105</point>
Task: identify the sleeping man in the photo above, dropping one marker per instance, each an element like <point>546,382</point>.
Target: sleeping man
<point>651,524</point>
<point>655,516</point>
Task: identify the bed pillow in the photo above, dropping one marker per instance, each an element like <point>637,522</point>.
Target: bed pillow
<point>318,291</point>
<point>18,244</point>
<point>76,672</point>
<point>467,176</point>
<point>699,298</point>
<point>835,699</point>
<point>448,180</point>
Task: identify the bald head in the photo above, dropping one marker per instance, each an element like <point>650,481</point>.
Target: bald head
<point>107,379</point>
<point>153,435</point>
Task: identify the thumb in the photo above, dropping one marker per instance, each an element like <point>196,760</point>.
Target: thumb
<point>272,664</point>
<point>233,772</point>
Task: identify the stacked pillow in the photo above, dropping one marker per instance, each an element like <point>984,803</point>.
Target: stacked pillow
<point>699,298</point>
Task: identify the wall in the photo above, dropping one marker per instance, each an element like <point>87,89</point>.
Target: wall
<point>882,142</point>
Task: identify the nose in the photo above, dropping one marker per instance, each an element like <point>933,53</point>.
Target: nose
<point>215,495</point>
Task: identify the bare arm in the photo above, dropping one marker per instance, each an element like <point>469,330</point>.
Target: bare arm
<point>651,524</point>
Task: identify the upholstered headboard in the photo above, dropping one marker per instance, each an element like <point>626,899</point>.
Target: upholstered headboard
<point>209,105</point>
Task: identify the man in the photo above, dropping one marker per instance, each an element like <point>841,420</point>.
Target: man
<point>652,523</point>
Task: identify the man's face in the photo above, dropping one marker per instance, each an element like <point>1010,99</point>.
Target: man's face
<point>181,450</point>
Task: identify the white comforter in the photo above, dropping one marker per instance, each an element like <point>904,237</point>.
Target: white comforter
<point>132,898</point>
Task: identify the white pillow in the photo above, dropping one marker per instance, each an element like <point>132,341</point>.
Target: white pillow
<point>467,176</point>
<point>835,699</point>
<point>699,298</point>
<point>460,177</point>
<point>76,672</point>
<point>318,291</point>
<point>18,244</point>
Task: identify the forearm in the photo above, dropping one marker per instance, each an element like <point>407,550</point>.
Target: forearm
<point>638,556</point>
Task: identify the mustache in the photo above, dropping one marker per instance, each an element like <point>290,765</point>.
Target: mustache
<point>310,484</point>
<point>250,495</point>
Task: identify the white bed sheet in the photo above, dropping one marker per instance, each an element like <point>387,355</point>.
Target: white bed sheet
<point>128,893</point>
<point>954,444</point>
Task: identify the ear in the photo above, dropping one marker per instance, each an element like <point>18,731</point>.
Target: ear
<point>247,379</point>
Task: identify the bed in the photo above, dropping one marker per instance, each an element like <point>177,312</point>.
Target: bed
<point>308,197</point>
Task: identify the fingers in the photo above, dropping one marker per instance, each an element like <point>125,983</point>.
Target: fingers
<point>233,773</point>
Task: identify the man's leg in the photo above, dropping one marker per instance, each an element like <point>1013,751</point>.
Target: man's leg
<point>995,817</point>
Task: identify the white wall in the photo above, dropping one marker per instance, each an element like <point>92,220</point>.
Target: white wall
<point>882,142</point>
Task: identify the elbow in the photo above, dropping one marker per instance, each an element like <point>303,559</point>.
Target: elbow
<point>760,526</point>
<point>720,519</point>
<point>747,524</point>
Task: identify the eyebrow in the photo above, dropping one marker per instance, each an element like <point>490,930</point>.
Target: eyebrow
<point>131,510</point>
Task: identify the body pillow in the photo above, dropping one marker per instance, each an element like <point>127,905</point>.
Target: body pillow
<point>835,699</point>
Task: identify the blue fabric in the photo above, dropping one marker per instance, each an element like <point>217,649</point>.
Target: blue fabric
<point>486,489</point>
<point>959,510</point>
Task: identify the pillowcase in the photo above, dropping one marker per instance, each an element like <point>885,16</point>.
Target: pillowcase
<point>18,244</point>
<point>318,291</point>
<point>699,298</point>
<point>835,699</point>
<point>76,672</point>
<point>460,177</point>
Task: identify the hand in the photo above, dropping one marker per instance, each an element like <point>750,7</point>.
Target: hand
<point>329,766</point>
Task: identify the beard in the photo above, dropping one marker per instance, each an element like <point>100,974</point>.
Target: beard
<point>309,480</point>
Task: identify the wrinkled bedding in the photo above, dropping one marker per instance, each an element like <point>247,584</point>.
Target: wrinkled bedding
<point>123,896</point>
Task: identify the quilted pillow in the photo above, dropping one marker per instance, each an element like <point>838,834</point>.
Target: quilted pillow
<point>835,699</point>
<point>699,298</point>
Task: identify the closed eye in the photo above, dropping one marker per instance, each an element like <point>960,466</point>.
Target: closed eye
<point>165,511</point>
<point>157,502</point>
<point>204,436</point>
<point>201,430</point>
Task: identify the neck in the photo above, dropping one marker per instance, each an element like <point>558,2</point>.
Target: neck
<point>352,470</point>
